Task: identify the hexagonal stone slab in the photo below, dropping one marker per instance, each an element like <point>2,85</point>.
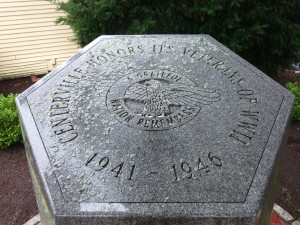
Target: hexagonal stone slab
<point>168,129</point>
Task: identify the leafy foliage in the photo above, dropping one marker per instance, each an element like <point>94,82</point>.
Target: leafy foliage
<point>266,33</point>
<point>10,130</point>
<point>295,89</point>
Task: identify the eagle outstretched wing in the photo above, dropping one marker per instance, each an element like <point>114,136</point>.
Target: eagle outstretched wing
<point>179,94</point>
<point>137,91</point>
<point>176,94</point>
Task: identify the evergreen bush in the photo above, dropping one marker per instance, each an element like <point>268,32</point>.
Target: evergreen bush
<point>10,130</point>
<point>264,32</point>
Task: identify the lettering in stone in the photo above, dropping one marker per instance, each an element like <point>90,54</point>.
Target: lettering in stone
<point>162,48</point>
<point>186,170</point>
<point>117,170</point>
<point>159,74</point>
<point>246,127</point>
<point>60,107</point>
<point>232,75</point>
<point>182,170</point>
<point>247,96</point>
<point>109,55</point>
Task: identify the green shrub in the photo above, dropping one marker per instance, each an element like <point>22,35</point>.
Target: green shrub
<point>295,89</point>
<point>10,130</point>
<point>266,33</point>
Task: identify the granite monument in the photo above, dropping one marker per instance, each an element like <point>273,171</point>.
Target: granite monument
<point>159,129</point>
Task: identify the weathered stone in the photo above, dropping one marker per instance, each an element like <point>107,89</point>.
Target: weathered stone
<point>167,129</point>
<point>282,213</point>
<point>36,220</point>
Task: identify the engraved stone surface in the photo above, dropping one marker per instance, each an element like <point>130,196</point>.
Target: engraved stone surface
<point>161,129</point>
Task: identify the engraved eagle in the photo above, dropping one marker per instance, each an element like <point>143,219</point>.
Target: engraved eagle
<point>158,96</point>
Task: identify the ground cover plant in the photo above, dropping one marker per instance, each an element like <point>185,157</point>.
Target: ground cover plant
<point>10,130</point>
<point>295,89</point>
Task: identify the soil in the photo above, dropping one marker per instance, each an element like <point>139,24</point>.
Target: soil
<point>17,200</point>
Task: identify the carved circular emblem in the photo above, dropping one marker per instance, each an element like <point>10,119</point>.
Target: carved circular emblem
<point>157,99</point>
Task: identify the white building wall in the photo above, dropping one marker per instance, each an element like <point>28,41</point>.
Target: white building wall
<point>30,41</point>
